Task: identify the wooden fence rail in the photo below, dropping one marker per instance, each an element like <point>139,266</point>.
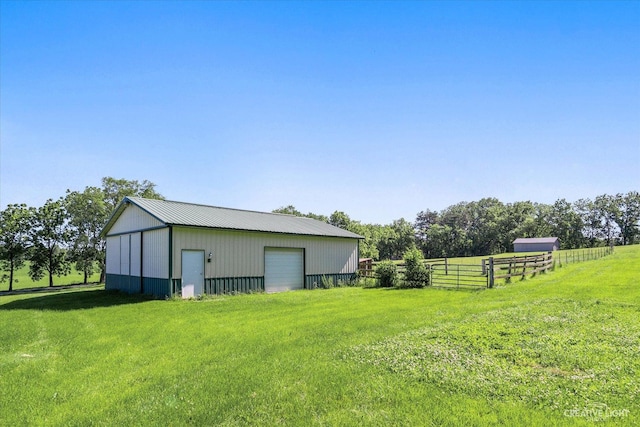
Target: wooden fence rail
<point>519,266</point>
<point>444,274</point>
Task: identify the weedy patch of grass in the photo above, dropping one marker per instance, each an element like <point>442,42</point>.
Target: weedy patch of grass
<point>552,353</point>
<point>545,351</point>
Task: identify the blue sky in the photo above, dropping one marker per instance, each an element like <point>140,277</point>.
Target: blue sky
<point>377,109</point>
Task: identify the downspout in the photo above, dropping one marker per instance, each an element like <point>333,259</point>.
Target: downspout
<point>170,261</point>
<point>141,262</point>
<point>357,260</point>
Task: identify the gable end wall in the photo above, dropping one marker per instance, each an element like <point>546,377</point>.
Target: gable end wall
<point>134,219</point>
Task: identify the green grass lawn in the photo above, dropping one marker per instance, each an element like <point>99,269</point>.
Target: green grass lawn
<point>23,281</point>
<point>562,348</point>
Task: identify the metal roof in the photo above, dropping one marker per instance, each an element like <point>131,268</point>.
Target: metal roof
<point>536,240</point>
<point>193,215</point>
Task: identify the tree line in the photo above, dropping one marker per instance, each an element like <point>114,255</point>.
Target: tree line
<point>66,232</point>
<point>488,226</point>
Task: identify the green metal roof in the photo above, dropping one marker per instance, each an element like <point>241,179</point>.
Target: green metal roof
<point>193,215</point>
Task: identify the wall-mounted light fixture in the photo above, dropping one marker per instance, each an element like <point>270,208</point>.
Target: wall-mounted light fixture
<point>210,256</point>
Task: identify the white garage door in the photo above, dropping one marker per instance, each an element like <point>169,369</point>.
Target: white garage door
<point>283,269</point>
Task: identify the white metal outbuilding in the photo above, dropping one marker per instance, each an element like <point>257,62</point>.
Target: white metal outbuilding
<point>164,248</point>
<point>536,244</point>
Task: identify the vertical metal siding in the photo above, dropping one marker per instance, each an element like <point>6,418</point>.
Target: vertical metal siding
<point>157,287</point>
<point>533,247</point>
<point>155,254</point>
<point>241,253</point>
<point>132,219</point>
<point>113,255</point>
<point>125,267</point>
<point>124,255</point>
<point>134,254</point>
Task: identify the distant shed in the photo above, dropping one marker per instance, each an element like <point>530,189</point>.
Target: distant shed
<point>166,248</point>
<point>536,244</point>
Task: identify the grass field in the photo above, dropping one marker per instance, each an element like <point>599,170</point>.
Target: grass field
<point>23,281</point>
<point>559,349</point>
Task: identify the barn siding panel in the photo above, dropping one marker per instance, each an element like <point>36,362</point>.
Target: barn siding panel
<point>241,253</point>
<point>134,255</point>
<point>156,286</point>
<point>226,285</point>
<point>113,255</point>
<point>155,254</point>
<point>124,255</point>
<point>131,284</point>
<point>534,247</point>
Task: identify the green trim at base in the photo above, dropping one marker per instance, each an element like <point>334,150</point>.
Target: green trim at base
<point>226,285</point>
<point>131,284</point>
<point>212,286</point>
<point>157,287</point>
<point>314,281</point>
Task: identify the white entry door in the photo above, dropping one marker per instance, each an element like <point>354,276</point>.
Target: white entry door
<point>192,273</point>
<point>283,269</point>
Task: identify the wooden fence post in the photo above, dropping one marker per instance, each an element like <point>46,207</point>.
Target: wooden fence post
<point>490,275</point>
<point>446,267</point>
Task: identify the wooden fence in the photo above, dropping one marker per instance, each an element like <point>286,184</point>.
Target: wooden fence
<point>517,266</point>
<point>444,274</point>
<point>367,268</point>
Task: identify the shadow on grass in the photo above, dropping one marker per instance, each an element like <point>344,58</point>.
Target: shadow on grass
<point>77,300</point>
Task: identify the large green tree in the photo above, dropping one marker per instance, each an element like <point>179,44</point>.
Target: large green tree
<point>458,219</point>
<point>15,223</point>
<point>117,189</point>
<point>517,221</point>
<point>485,227</point>
<point>566,224</point>
<point>288,210</point>
<point>340,219</point>
<point>606,210</point>
<point>444,241</point>
<point>585,208</point>
<point>291,210</point>
<point>88,214</point>
<point>627,216</point>
<point>50,235</point>
<point>424,221</point>
<point>371,233</point>
<point>397,239</point>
